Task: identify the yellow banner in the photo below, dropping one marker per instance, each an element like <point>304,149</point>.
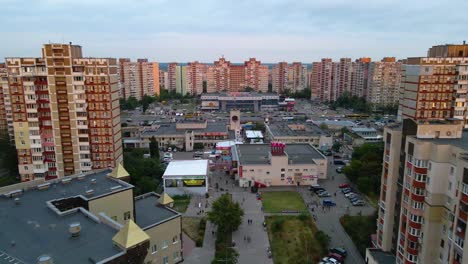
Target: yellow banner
<point>194,182</point>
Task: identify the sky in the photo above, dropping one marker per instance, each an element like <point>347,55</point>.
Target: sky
<point>204,30</point>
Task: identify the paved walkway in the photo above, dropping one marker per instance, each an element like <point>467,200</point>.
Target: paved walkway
<point>253,252</point>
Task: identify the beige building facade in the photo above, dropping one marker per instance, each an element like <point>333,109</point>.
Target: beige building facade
<point>64,112</point>
<point>285,165</point>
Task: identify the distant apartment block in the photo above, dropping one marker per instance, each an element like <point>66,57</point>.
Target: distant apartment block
<point>195,76</point>
<point>137,79</point>
<point>223,76</point>
<point>360,77</point>
<point>384,82</point>
<point>322,80</point>
<point>65,112</point>
<point>342,73</point>
<point>171,76</point>
<point>292,78</point>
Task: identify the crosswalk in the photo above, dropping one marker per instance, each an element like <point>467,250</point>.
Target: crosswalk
<point>7,259</point>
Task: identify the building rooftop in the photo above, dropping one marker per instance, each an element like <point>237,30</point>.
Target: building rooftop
<point>30,228</point>
<point>260,153</point>
<point>363,129</point>
<point>457,142</point>
<point>170,129</point>
<point>254,134</point>
<point>186,168</point>
<point>382,257</point>
<point>343,123</point>
<point>285,129</point>
<point>239,94</point>
<point>149,211</point>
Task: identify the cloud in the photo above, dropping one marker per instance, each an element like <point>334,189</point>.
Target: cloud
<point>270,29</point>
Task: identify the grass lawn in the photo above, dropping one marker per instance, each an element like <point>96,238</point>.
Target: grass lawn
<point>181,203</point>
<point>276,202</point>
<point>373,199</point>
<point>293,240</point>
<point>360,228</point>
<point>194,227</point>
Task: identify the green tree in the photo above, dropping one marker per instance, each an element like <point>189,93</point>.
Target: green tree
<point>198,145</point>
<point>337,146</point>
<point>154,148</point>
<point>226,214</point>
<point>205,87</point>
<point>8,160</point>
<point>145,174</point>
<point>128,104</point>
<point>146,101</point>
<point>323,126</point>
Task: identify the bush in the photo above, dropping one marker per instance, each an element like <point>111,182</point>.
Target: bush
<point>304,216</point>
<point>277,225</point>
<point>323,239</point>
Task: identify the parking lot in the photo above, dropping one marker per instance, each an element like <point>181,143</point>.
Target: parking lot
<point>328,219</point>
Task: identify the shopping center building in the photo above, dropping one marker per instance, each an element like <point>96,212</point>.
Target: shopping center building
<point>278,164</point>
<point>244,101</point>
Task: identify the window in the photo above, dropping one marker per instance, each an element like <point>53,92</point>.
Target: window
<point>267,172</point>
<point>174,240</point>
<point>166,260</point>
<point>282,176</point>
<point>417,205</point>
<point>450,186</point>
<point>420,177</point>
<point>154,248</point>
<point>127,215</point>
<point>442,243</point>
<point>289,169</point>
<point>176,255</point>
<point>419,191</point>
<point>416,218</point>
<point>164,244</point>
<point>414,231</point>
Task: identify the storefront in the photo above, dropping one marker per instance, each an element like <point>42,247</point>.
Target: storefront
<point>186,177</point>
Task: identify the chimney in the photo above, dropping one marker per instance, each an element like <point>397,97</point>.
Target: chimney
<point>74,229</point>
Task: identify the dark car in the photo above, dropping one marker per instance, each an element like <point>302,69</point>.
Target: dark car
<point>319,190</point>
<point>339,250</point>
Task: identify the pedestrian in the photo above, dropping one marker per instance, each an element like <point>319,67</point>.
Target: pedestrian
<point>212,232</point>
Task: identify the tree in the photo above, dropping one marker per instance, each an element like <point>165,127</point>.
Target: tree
<point>205,87</point>
<point>146,101</point>
<point>128,104</point>
<point>8,160</point>
<point>323,126</point>
<point>198,145</point>
<point>145,174</point>
<point>337,146</point>
<point>226,214</point>
<point>154,149</point>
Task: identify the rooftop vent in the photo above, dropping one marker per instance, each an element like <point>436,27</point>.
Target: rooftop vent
<point>17,200</point>
<point>43,186</point>
<point>81,177</point>
<point>66,180</point>
<point>93,181</point>
<point>45,259</point>
<point>89,192</point>
<point>74,229</point>
<point>113,188</point>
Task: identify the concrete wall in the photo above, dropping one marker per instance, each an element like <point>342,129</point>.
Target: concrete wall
<point>114,205</point>
<point>165,232</point>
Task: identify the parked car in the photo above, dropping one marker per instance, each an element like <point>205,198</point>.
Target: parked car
<point>336,256</point>
<point>354,199</point>
<point>347,195</point>
<point>319,190</point>
<point>339,250</point>
<point>328,202</point>
<point>324,194</point>
<point>339,169</point>
<point>314,187</point>
<point>344,185</point>
<point>359,203</point>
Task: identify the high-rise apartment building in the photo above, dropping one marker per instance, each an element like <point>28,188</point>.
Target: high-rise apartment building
<point>195,76</point>
<point>289,77</point>
<point>322,80</point>
<point>171,76</point>
<point>5,127</point>
<point>360,77</point>
<point>217,76</point>
<point>256,75</point>
<point>64,112</point>
<point>137,79</point>
<point>423,205</point>
<point>121,76</point>
<point>236,78</point>
<point>181,80</point>
<point>448,50</point>
<point>384,81</point>
<point>342,73</point>
<point>279,77</point>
